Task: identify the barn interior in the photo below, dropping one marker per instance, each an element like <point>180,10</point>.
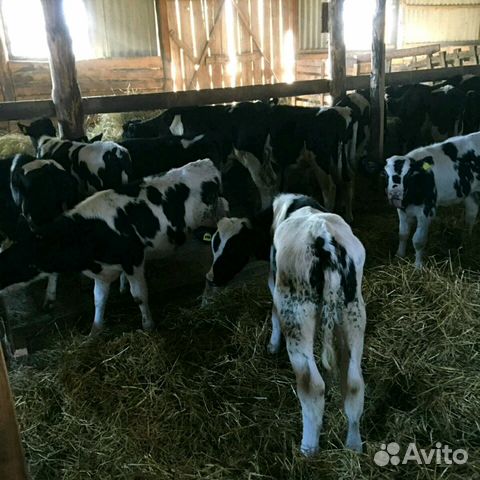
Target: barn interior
<point>200,397</point>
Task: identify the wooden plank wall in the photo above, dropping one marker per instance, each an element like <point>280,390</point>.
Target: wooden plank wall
<point>201,33</point>
<point>205,32</point>
<point>31,80</point>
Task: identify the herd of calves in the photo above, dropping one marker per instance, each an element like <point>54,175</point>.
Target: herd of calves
<point>104,208</point>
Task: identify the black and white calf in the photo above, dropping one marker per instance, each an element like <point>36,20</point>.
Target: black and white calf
<point>113,231</point>
<point>360,108</point>
<point>428,177</point>
<point>96,166</point>
<point>323,138</point>
<point>42,189</point>
<point>316,269</point>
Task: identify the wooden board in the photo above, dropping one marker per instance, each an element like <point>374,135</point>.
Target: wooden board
<point>12,461</point>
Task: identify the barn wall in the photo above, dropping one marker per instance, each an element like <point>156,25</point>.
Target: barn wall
<point>310,22</point>
<point>205,35</point>
<point>427,21</point>
<point>95,77</point>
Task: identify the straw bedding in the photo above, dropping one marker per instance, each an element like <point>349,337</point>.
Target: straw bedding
<point>201,399</point>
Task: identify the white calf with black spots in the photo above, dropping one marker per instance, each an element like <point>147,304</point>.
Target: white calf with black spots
<point>317,264</point>
<point>442,174</point>
<point>315,278</point>
<point>114,231</point>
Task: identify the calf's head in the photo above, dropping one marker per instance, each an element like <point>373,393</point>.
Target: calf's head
<point>42,126</point>
<point>43,190</point>
<point>409,182</point>
<point>232,246</point>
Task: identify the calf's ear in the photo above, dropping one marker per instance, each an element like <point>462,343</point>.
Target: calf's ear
<point>23,128</point>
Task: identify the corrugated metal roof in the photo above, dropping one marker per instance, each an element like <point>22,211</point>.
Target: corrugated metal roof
<point>441,3</point>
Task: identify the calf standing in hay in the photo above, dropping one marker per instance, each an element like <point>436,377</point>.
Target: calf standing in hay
<point>114,231</point>
<point>428,177</point>
<point>316,269</point>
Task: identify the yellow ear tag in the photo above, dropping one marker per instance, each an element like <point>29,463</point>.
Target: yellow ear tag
<point>426,166</point>
<point>207,237</point>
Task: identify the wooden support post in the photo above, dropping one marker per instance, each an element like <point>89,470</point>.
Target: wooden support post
<point>65,91</point>
<point>12,461</point>
<point>7,87</point>
<point>164,42</point>
<point>377,82</point>
<point>336,49</point>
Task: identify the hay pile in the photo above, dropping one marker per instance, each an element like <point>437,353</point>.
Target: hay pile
<point>13,143</point>
<point>110,124</point>
<point>202,399</point>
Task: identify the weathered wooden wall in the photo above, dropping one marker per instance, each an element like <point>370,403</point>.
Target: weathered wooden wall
<point>203,36</point>
<point>31,80</point>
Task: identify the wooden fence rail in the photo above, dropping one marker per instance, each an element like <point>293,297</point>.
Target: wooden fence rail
<point>151,101</point>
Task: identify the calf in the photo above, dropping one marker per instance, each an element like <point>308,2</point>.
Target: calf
<point>316,269</point>
<point>97,166</point>
<point>42,190</point>
<point>326,138</point>
<point>410,103</point>
<point>114,230</point>
<point>151,156</point>
<point>360,107</point>
<point>240,129</point>
<point>447,105</point>
<point>441,174</point>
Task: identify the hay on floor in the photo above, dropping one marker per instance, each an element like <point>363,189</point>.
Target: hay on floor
<point>202,399</point>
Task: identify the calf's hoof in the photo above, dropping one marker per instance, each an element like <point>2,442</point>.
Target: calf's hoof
<point>148,326</point>
<point>272,348</point>
<point>309,450</point>
<point>95,331</point>
<point>354,443</point>
<point>48,304</point>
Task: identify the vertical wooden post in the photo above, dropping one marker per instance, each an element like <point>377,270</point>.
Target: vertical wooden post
<point>65,91</point>
<point>377,82</point>
<point>12,461</point>
<point>336,49</point>
<point>164,41</point>
<point>7,87</point>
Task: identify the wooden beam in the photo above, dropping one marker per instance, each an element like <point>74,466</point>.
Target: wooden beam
<point>377,82</point>
<point>149,101</point>
<point>65,91</point>
<point>336,49</point>
<point>403,52</point>
<point>164,42</point>
<point>12,460</point>
<point>7,86</point>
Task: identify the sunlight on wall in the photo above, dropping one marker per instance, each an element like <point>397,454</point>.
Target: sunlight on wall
<point>26,29</point>
<point>231,47</point>
<point>357,18</point>
<point>288,58</point>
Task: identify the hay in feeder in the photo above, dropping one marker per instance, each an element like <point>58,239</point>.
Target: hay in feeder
<point>110,124</point>
<point>13,143</point>
<point>202,399</point>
